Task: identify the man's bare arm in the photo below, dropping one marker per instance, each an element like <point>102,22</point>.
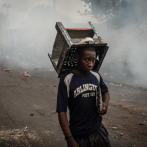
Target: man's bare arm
<point>65,128</point>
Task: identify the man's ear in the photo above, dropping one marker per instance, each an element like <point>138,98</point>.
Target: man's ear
<point>77,57</point>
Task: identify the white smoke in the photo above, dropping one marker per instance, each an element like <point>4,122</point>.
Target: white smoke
<point>29,33</point>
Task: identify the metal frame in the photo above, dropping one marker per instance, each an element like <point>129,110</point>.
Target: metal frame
<point>66,59</point>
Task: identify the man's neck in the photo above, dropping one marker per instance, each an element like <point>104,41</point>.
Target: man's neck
<point>78,70</point>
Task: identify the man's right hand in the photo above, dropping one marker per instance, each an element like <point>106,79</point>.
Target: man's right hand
<point>71,142</point>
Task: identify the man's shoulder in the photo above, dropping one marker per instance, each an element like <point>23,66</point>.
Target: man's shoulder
<point>96,74</point>
<point>94,71</point>
<point>66,75</point>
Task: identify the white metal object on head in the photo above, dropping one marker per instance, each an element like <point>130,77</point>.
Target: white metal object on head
<point>87,40</point>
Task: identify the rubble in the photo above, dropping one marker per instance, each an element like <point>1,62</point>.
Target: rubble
<point>115,128</point>
<point>53,112</point>
<point>17,130</point>
<point>141,124</point>
<point>12,133</point>
<point>116,85</point>
<point>25,74</point>
<point>26,128</point>
<point>143,114</point>
<point>6,70</point>
<point>119,135</point>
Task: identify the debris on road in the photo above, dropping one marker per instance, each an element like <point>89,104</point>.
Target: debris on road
<point>127,106</point>
<point>18,136</point>
<point>119,135</point>
<point>25,74</point>
<point>26,128</point>
<point>53,112</point>
<point>116,85</point>
<point>143,114</point>
<point>115,128</point>
<point>6,70</point>
<point>17,130</point>
<point>141,124</point>
<point>12,133</point>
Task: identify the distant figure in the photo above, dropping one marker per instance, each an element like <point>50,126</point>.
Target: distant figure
<point>77,91</point>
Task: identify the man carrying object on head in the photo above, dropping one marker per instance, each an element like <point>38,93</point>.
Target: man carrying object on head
<point>77,91</point>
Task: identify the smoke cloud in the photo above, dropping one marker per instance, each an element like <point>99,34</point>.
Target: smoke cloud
<point>27,33</point>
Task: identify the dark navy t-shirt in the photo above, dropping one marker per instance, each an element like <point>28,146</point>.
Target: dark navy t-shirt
<point>77,91</point>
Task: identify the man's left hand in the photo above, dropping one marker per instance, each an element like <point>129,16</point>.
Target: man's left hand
<point>104,109</point>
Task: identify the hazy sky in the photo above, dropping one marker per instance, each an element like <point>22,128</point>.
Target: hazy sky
<point>32,26</point>
<point>20,8</point>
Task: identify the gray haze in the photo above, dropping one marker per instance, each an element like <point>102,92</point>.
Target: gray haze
<point>27,34</point>
<point>127,56</point>
<point>123,27</point>
<point>27,28</point>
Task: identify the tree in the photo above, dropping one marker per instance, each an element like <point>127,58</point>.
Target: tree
<point>118,13</point>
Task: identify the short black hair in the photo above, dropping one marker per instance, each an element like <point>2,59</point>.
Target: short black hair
<point>80,50</point>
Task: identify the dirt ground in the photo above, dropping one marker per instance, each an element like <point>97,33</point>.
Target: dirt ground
<point>27,105</point>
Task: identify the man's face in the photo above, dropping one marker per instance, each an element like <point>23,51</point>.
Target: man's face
<point>86,61</point>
